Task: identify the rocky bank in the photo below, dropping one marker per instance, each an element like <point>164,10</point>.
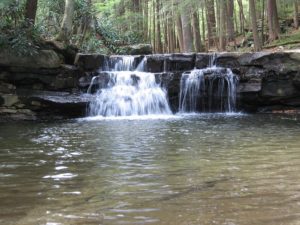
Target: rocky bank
<point>49,86</point>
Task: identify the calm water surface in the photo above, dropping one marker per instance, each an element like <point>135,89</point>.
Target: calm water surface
<point>205,169</point>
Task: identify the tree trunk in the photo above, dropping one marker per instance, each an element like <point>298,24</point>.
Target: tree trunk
<point>273,24</point>
<point>263,23</point>
<point>179,32</point>
<point>153,26</point>
<point>196,32</point>
<point>257,44</point>
<point>211,22</point>
<point>67,23</point>
<point>230,20</point>
<point>222,38</point>
<point>158,29</point>
<point>242,17</point>
<point>186,32</point>
<point>203,29</point>
<point>276,19</point>
<point>30,11</point>
<point>296,14</point>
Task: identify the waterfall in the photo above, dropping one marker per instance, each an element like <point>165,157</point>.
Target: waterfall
<point>211,89</point>
<point>129,92</point>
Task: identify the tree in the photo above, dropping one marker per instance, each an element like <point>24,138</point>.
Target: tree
<point>158,28</point>
<point>222,24</point>
<point>296,14</point>
<point>257,43</point>
<point>30,11</point>
<point>196,32</point>
<point>186,31</point>
<point>230,18</point>
<point>67,22</point>
<point>211,22</point>
<point>241,17</point>
<point>273,23</point>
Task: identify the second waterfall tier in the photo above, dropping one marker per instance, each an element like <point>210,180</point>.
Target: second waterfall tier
<point>208,90</point>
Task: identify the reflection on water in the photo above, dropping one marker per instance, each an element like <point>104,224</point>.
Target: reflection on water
<point>205,169</point>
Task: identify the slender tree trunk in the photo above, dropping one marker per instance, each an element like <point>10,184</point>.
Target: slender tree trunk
<point>170,30</point>
<point>30,11</point>
<point>179,32</point>
<point>263,23</point>
<point>203,28</point>
<point>222,38</point>
<point>158,29</point>
<point>145,20</point>
<point>257,44</point>
<point>296,14</point>
<point>187,32</point>
<point>218,21</point>
<point>154,27</point>
<point>242,17</point>
<point>211,22</point>
<point>276,19</point>
<point>67,23</point>
<point>196,32</point>
<point>273,23</point>
<point>230,19</point>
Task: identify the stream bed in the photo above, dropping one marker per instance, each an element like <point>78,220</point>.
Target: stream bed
<point>231,169</point>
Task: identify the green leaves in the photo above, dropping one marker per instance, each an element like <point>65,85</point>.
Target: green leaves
<point>4,3</point>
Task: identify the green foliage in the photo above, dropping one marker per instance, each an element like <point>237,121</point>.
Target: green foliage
<point>94,45</point>
<point>21,40</point>
<point>113,39</point>
<point>15,33</point>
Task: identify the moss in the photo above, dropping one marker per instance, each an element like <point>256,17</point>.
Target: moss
<point>289,39</point>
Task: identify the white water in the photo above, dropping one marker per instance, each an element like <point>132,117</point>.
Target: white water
<point>130,93</point>
<point>208,90</point>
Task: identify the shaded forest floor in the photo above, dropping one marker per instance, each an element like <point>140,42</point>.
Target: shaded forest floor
<point>288,41</point>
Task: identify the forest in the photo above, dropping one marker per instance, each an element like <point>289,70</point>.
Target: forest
<point>108,26</point>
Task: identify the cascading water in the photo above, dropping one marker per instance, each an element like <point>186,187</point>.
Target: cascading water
<point>211,89</point>
<point>129,93</point>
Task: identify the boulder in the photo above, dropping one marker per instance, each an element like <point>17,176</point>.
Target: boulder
<point>43,59</point>
<point>67,51</point>
<point>9,99</point>
<point>89,62</point>
<point>139,49</point>
<point>7,88</point>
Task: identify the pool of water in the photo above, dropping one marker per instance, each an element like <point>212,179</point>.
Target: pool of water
<point>199,169</point>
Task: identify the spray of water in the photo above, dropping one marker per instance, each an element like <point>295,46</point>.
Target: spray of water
<point>130,93</point>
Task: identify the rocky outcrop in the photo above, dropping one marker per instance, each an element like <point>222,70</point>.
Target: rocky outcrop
<point>265,78</point>
<point>43,86</point>
<point>43,59</point>
<point>22,76</point>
